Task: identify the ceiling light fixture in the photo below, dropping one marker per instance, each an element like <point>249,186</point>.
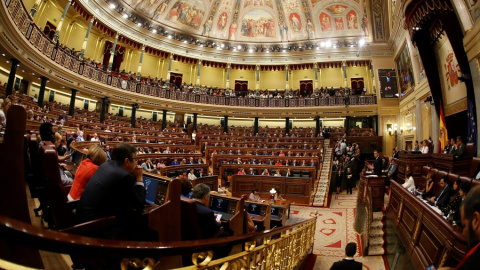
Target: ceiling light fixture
<point>361,42</point>
<point>125,15</point>
<point>112,6</point>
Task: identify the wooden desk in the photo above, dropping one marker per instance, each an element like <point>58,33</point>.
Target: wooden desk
<point>413,163</point>
<point>447,163</point>
<point>260,212</point>
<point>292,189</point>
<point>377,185</point>
<point>429,238</point>
<point>283,169</point>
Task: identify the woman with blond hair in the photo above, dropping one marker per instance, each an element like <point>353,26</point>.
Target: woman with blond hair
<point>95,157</point>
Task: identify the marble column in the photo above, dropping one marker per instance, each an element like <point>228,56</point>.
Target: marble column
<point>41,93</point>
<point>257,77</point>
<point>60,23</point>
<point>105,101</point>
<point>139,70</point>
<point>71,109</point>
<point>195,116</point>
<point>133,118</point>
<point>225,123</point>
<point>85,40</point>
<point>227,84</point>
<point>287,125</point>
<point>255,126</point>
<point>164,119</point>
<point>170,60</point>
<point>435,129</point>
<point>198,72</point>
<point>112,53</point>
<point>11,76</point>
<point>316,75</point>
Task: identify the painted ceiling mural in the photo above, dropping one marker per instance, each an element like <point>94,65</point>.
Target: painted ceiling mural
<point>259,20</point>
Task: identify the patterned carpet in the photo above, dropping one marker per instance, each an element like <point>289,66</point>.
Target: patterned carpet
<point>334,230</point>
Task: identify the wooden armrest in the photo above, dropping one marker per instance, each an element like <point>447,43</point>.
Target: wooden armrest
<point>90,226</point>
<point>220,232</point>
<point>72,204</point>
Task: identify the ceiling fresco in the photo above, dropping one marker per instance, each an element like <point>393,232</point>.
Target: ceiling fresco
<point>255,20</point>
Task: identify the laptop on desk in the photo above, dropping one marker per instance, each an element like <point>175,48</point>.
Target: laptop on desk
<point>156,190</point>
<point>225,207</point>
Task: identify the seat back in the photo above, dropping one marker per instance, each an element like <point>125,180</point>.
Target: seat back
<point>13,198</point>
<point>62,214</point>
<point>189,220</point>
<point>452,178</point>
<point>425,171</point>
<point>475,166</point>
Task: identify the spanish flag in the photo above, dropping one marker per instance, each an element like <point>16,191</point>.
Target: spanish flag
<point>443,135</point>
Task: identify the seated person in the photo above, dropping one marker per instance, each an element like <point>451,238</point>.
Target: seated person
<point>148,166</point>
<point>186,190</point>
<point>426,192</point>
<point>175,162</point>
<point>191,175</point>
<point>454,200</point>
<point>456,209</point>
<point>265,172</point>
<point>441,198</point>
<point>117,189</point>
<point>241,171</point>
<point>459,151</point>
<point>277,173</point>
<point>209,226</point>
<point>348,262</point>
<point>288,173</point>
<point>424,148</point>
<point>278,196</point>
<point>254,197</point>
<point>409,182</point>
<point>95,157</point>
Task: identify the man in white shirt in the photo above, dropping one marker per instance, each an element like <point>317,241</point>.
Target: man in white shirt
<point>409,182</point>
<point>95,138</point>
<point>191,175</point>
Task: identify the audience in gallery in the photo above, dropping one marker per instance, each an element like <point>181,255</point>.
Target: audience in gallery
<point>4,105</point>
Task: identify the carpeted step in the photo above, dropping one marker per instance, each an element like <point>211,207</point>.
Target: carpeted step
<point>376,224</point>
<point>376,250</point>
<point>377,215</point>
<point>376,232</point>
<point>376,241</point>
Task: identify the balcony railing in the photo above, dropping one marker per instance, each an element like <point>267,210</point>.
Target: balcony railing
<point>46,46</point>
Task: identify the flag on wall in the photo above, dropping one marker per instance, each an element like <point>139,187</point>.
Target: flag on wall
<point>472,127</point>
<point>443,135</point>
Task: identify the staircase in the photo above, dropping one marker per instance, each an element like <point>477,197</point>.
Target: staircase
<point>376,242</point>
<point>320,193</point>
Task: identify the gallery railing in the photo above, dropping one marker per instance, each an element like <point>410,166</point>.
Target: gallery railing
<point>46,46</point>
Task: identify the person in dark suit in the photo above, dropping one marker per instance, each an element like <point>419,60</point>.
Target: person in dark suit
<point>459,151</point>
<point>391,171</point>
<point>442,197</point>
<point>377,165</point>
<point>470,215</point>
<point>116,189</point>
<point>395,152</point>
<point>348,263</point>
<point>206,217</point>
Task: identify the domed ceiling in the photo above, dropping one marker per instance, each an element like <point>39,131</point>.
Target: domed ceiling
<point>256,21</point>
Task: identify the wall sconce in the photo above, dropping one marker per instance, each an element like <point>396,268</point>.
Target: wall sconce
<point>394,131</point>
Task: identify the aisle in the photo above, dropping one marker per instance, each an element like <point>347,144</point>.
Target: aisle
<point>334,230</point>
<point>320,193</point>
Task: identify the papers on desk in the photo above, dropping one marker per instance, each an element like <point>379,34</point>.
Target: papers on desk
<point>372,176</point>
